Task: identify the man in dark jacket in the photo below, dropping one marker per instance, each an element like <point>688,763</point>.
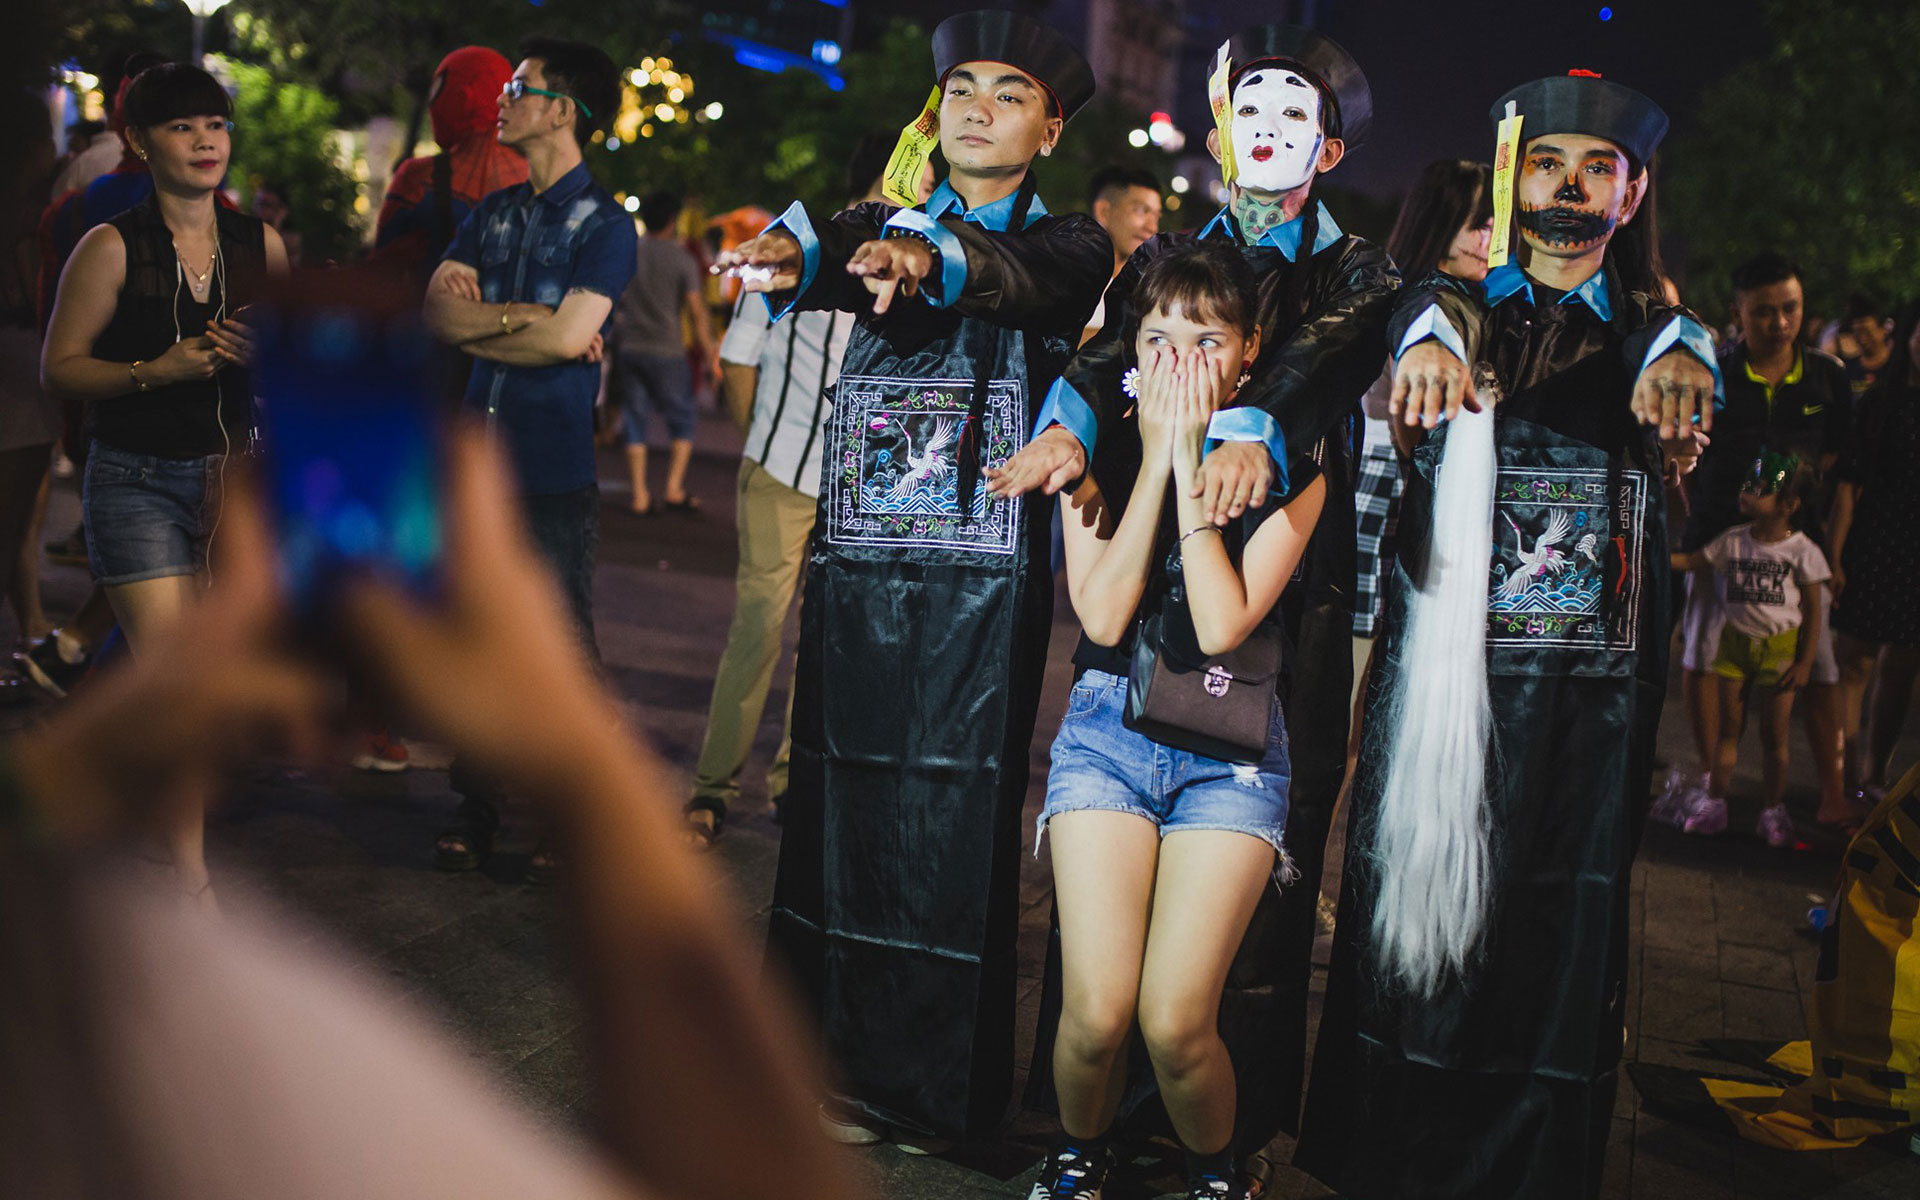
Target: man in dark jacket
<point>928,601</point>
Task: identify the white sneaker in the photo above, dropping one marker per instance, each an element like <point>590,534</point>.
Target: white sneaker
<point>1706,815</point>
<point>1670,806</point>
<point>1776,827</point>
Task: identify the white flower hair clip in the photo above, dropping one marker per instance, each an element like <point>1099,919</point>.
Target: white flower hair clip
<point>1130,383</point>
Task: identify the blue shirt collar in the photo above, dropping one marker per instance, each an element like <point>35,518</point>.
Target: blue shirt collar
<point>568,186</point>
<point>1284,237</point>
<point>945,202</point>
<point>1504,282</point>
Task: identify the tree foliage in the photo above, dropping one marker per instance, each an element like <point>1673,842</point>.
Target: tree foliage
<point>283,136</point>
<point>1813,151</point>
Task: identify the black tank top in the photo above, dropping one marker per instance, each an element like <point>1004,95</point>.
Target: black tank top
<point>156,308</point>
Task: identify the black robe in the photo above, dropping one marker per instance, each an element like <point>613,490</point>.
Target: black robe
<point>923,641</point>
<point>1503,1085</point>
<point>1323,323</point>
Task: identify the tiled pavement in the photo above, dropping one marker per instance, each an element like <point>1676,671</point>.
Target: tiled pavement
<point>1718,944</point>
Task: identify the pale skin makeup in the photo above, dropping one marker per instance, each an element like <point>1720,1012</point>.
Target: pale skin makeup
<point>994,120</point>
<point>1276,129</point>
<point>1579,190</point>
<point>1149,925</point>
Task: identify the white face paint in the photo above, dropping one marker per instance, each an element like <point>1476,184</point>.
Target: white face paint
<point>1276,129</point>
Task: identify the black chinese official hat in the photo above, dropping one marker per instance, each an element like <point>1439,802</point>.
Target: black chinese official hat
<point>1340,78</point>
<point>995,35</point>
<point>1582,102</point>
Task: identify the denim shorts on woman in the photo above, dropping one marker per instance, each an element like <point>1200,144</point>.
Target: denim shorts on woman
<point>147,517</point>
<point>1098,763</point>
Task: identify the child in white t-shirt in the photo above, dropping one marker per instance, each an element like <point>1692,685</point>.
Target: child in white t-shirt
<point>1769,576</point>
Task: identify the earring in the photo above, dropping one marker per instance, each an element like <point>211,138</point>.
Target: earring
<point>1046,151</point>
<point>1246,373</point>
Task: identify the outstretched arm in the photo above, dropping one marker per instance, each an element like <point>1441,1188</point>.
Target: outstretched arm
<point>1087,402</point>
<point>800,261</point>
<point>1046,277</point>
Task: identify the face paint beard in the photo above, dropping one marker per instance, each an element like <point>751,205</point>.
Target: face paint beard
<point>1559,227</point>
<point>1276,145</point>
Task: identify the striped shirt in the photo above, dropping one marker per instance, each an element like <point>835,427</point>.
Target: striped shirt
<point>799,360</point>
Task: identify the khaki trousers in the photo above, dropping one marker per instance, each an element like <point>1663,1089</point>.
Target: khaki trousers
<point>774,522</point>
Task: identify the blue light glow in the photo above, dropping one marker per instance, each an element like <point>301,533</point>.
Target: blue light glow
<point>758,61</point>
<point>1606,14</point>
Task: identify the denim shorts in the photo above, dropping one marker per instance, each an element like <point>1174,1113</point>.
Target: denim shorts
<point>1098,763</point>
<point>147,517</point>
<point>643,383</point>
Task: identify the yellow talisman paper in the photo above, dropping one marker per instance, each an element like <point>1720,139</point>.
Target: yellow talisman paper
<point>901,183</point>
<point>1506,160</point>
<point>1220,97</point>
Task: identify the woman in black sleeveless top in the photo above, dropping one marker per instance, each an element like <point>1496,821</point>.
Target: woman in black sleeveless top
<point>145,332</point>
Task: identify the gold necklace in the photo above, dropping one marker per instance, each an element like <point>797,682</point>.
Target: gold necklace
<point>198,279</point>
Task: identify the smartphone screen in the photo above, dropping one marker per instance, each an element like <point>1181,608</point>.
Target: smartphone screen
<point>352,443</point>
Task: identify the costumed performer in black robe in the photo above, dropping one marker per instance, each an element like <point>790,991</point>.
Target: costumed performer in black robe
<point>928,602</point>
<point>1295,102</point>
<point>1479,1057</point>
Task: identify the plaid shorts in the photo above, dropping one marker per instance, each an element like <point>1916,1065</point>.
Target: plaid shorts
<point>1376,511</point>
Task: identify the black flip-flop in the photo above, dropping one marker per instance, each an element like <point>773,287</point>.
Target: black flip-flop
<point>690,505</point>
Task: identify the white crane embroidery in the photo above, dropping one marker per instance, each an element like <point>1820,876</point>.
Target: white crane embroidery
<point>928,465</point>
<point>1540,562</point>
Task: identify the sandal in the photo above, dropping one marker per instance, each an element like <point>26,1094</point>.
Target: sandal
<point>543,865</point>
<point>700,833</point>
<point>461,848</point>
<point>690,505</point>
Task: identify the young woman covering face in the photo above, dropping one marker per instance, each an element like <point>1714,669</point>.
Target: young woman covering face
<point>145,330</point>
<point>1159,853</point>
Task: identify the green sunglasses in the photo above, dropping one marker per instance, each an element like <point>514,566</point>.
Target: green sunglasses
<point>516,88</point>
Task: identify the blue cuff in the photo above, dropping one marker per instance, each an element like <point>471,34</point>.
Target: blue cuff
<point>796,222</point>
<point>1067,408</point>
<point>1435,324</point>
<point>1691,336</point>
<point>1251,425</point>
<point>952,255</point>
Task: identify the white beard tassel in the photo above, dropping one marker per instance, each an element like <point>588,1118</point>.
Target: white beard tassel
<point>1431,853</point>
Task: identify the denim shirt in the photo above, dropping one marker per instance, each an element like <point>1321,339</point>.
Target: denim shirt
<point>534,249</point>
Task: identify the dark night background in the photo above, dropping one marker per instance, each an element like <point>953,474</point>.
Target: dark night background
<point>1436,68</point>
